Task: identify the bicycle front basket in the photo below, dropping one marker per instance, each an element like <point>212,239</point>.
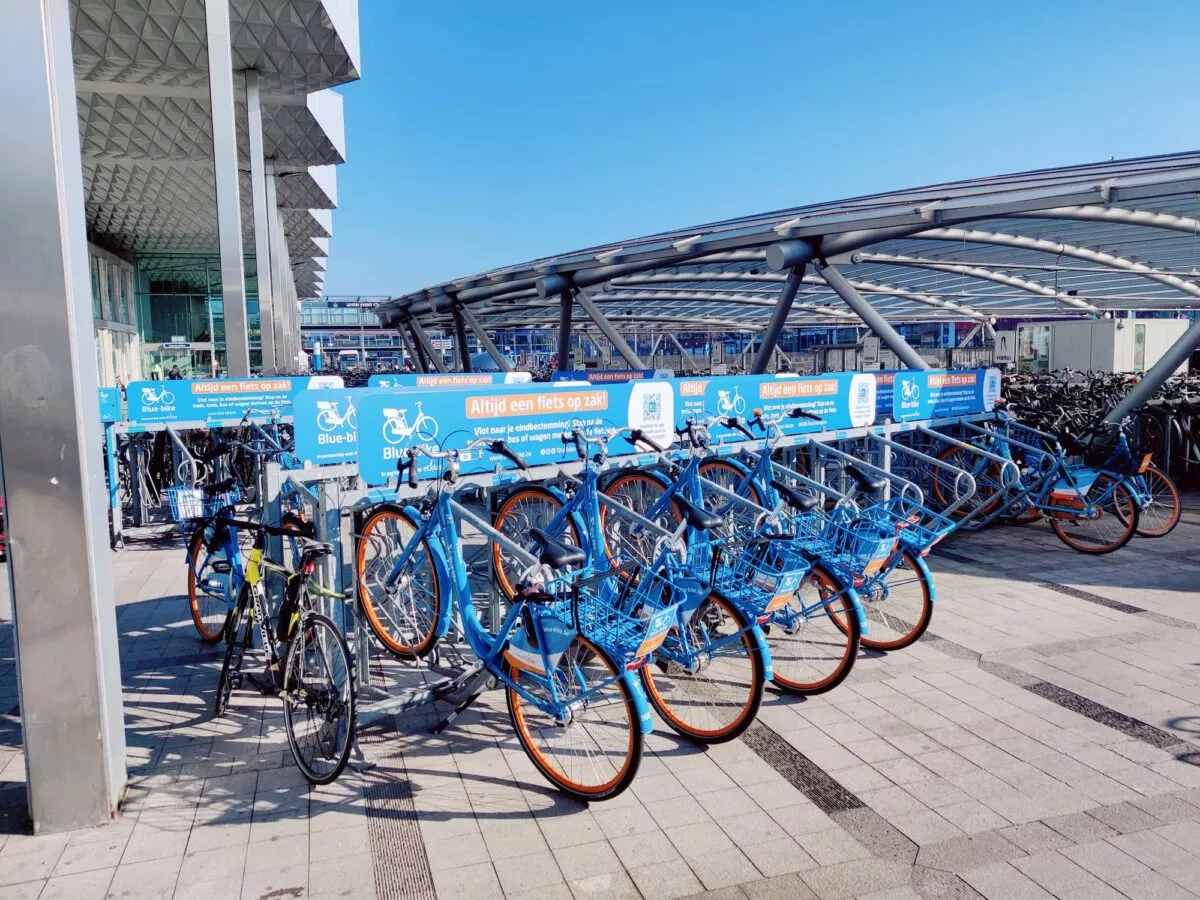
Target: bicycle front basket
<point>762,573</point>
<point>627,611</point>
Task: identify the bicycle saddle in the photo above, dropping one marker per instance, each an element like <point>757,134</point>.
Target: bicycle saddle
<point>216,451</point>
<point>866,482</point>
<point>698,516</point>
<point>797,500</point>
<point>556,554</point>
<point>211,490</point>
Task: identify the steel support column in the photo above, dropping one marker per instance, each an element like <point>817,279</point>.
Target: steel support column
<point>60,566</point>
<point>410,347</point>
<point>607,329</point>
<point>275,240</point>
<point>460,340</point>
<point>865,311</point>
<point>1176,356</point>
<point>564,330</point>
<point>225,173</point>
<point>435,358</point>
<point>262,240</point>
<point>783,307</point>
<point>481,334</point>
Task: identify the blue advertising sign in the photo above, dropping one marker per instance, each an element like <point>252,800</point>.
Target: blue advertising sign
<point>936,393</point>
<point>842,400</point>
<point>110,404</point>
<point>530,419</point>
<point>613,376</point>
<point>452,379</point>
<point>326,425</point>
<point>157,402</point>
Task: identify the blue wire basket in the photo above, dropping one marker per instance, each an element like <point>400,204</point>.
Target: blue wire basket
<point>917,527</point>
<point>762,573</point>
<point>857,547</point>
<point>627,610</point>
<point>189,503</point>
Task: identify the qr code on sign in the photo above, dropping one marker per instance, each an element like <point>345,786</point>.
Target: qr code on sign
<point>651,406</point>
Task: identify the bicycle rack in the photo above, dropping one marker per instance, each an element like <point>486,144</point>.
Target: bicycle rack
<point>823,449</point>
<point>892,446</point>
<point>1009,473</point>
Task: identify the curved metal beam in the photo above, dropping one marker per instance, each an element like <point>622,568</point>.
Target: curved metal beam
<point>972,236</point>
<point>1116,214</point>
<point>916,262</point>
<point>866,287</point>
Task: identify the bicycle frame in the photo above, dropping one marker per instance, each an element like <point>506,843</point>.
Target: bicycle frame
<point>439,530</point>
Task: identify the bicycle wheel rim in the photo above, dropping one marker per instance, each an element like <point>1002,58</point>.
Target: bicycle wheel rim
<point>624,539</point>
<point>1111,525</point>
<point>318,701</point>
<point>521,511</point>
<point>1159,517</point>
<point>813,653</point>
<point>897,604</point>
<point>719,700</point>
<point>209,614</point>
<point>404,617</point>
<point>597,753</point>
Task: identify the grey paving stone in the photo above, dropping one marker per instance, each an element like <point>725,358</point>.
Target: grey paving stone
<point>665,880</point>
<point>1034,837</point>
<point>785,887</point>
<point>879,836</point>
<point>968,852</point>
<point>1154,850</point>
<point>723,868</point>
<point>1102,859</point>
<point>934,884</point>
<point>1055,872</point>
<point>1124,818</point>
<point>850,879</point>
<point>1080,827</point>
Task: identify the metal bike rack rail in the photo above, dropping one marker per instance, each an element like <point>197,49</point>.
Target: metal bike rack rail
<point>894,446</point>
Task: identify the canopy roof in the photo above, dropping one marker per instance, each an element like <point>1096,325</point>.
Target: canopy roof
<point>1074,241</point>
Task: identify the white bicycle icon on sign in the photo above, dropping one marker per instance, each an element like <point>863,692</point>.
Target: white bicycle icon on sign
<point>162,396</point>
<point>397,429</point>
<point>910,391</point>
<point>730,403</point>
<point>330,419</point>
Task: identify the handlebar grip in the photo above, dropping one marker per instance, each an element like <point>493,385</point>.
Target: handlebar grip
<point>736,424</point>
<point>580,444</point>
<point>801,413</point>
<point>502,449</point>
<point>413,479</point>
<point>640,437</point>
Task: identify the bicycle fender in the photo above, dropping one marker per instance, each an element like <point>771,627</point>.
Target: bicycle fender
<point>764,651</point>
<point>445,577</point>
<point>640,703</point>
<point>859,612</point>
<point>927,575</point>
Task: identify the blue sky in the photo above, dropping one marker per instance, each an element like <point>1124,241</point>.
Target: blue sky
<point>489,133</point>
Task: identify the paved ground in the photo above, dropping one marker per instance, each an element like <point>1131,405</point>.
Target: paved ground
<point>1043,741</point>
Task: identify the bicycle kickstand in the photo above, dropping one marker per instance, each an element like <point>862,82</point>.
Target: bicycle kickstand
<point>358,762</point>
<point>458,710</point>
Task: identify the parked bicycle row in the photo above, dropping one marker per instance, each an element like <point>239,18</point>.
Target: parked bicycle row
<point>677,583</point>
<point>1070,403</point>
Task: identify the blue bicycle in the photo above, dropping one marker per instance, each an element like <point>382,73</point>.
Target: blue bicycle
<point>566,651</point>
<point>706,679</point>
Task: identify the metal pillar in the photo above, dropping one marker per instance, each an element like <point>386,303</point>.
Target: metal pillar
<point>225,173</point>
<point>426,346</point>
<point>1175,357</point>
<point>413,355</point>
<point>865,311</point>
<point>481,333</point>
<point>460,339</point>
<point>607,329</point>
<point>262,239</point>
<point>778,319</point>
<point>274,225</point>
<point>59,568</point>
<point>564,331</point>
